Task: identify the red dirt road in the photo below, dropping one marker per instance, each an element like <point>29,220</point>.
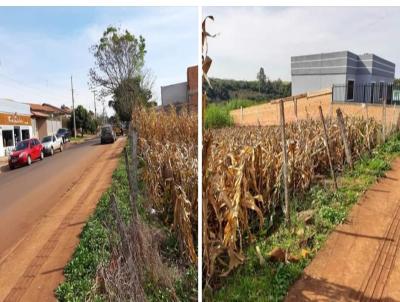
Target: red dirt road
<point>42,211</point>
<point>360,260</point>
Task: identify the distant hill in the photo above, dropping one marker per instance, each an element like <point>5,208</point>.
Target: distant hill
<point>224,89</point>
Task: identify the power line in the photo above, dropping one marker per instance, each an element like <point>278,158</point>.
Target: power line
<point>27,86</point>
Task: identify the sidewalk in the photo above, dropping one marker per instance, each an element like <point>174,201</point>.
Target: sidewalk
<point>3,163</point>
<point>360,259</point>
<point>83,139</point>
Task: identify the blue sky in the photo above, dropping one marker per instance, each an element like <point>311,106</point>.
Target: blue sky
<point>40,47</point>
<point>254,37</point>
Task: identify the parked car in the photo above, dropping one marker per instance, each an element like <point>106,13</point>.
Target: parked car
<point>25,153</point>
<point>107,134</point>
<point>51,143</point>
<point>64,134</point>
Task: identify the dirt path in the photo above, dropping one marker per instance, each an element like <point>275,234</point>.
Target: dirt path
<point>32,269</point>
<point>360,260</point>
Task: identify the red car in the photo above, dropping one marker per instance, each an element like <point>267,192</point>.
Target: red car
<point>25,152</point>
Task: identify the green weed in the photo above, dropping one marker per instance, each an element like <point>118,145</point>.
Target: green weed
<point>253,282</point>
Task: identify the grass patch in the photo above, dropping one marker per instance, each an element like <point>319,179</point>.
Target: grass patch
<point>271,281</point>
<point>95,244</point>
<point>217,114</point>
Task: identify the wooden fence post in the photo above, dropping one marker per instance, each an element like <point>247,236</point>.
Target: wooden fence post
<point>241,115</point>
<point>384,120</point>
<point>285,162</point>
<point>367,126</point>
<point>326,141</point>
<point>393,118</point>
<point>131,169</point>
<point>343,134</point>
<point>295,109</point>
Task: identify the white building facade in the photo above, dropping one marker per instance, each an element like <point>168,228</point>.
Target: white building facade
<point>15,124</point>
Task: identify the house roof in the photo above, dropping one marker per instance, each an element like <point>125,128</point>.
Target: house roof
<point>39,114</point>
<point>46,108</point>
<point>66,109</point>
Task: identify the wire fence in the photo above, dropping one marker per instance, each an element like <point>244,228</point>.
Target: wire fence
<point>372,93</point>
<point>135,256</point>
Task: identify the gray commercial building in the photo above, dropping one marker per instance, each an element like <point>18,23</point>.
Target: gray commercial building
<point>356,77</point>
<point>174,94</point>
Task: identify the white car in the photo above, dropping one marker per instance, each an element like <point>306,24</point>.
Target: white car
<point>51,143</point>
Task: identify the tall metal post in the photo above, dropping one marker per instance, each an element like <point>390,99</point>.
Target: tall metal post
<point>73,107</point>
<point>94,101</point>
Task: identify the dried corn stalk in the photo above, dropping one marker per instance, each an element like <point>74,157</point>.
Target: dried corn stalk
<point>243,179</point>
<point>168,147</point>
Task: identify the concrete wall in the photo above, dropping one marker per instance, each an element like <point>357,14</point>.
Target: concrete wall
<point>305,83</point>
<point>42,127</point>
<point>172,94</point>
<point>308,107</point>
<point>192,81</point>
<point>52,125</point>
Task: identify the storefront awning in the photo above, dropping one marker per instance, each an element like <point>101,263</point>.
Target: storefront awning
<point>39,114</point>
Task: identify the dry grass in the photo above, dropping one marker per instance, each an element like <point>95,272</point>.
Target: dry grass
<point>242,179</point>
<point>167,150</point>
<point>135,261</point>
<point>168,146</point>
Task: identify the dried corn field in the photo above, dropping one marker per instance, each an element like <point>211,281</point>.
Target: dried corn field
<point>168,147</point>
<point>242,179</point>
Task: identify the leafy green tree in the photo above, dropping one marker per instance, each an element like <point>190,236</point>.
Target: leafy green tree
<point>129,93</point>
<point>224,89</point>
<point>262,80</point>
<point>119,70</point>
<point>84,120</point>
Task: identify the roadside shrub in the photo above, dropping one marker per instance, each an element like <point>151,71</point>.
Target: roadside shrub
<point>333,215</point>
<point>217,116</point>
<point>237,103</point>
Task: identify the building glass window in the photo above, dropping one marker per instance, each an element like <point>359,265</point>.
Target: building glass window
<point>25,134</point>
<point>350,90</point>
<point>372,92</point>
<point>7,138</point>
<point>380,90</point>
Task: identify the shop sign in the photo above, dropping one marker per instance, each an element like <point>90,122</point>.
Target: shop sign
<point>14,119</point>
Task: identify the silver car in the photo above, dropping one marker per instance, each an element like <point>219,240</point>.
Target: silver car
<point>51,143</point>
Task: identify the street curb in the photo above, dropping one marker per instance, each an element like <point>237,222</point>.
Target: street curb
<point>3,166</point>
<point>83,140</point>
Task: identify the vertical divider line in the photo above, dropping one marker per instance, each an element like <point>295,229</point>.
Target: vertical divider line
<point>199,160</point>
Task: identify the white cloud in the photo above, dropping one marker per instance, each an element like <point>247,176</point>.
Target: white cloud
<point>251,37</point>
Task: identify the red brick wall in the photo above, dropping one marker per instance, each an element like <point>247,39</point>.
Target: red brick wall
<point>192,78</point>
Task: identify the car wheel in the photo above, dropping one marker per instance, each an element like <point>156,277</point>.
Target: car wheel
<point>42,154</point>
<point>11,167</point>
<point>51,151</point>
<point>29,160</point>
<point>61,148</point>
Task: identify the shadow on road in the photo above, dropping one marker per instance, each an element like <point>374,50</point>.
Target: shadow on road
<point>4,169</point>
<point>312,289</point>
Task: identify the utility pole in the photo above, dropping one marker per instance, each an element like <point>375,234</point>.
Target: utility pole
<point>94,101</point>
<point>104,112</point>
<point>73,107</point>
